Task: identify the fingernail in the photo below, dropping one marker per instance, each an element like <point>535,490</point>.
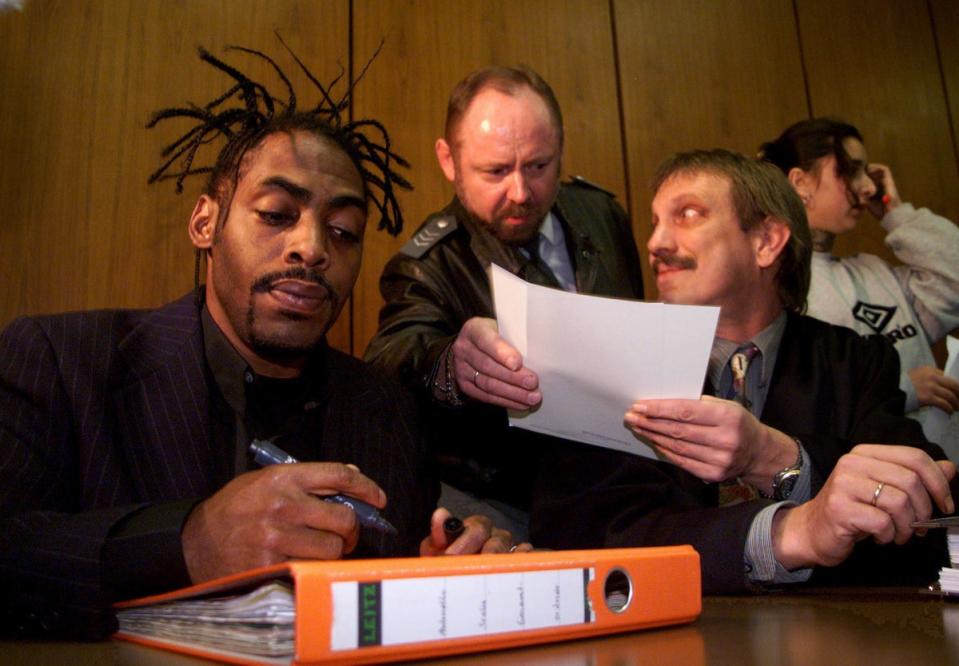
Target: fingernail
<point>639,407</point>
<point>950,505</point>
<point>631,418</point>
<point>534,398</point>
<point>529,382</point>
<point>921,531</point>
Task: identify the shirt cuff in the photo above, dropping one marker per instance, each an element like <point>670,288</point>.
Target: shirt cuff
<point>760,558</point>
<point>144,553</point>
<point>802,490</point>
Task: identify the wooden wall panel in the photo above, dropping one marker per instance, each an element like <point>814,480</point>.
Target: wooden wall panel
<point>874,64</point>
<point>81,228</point>
<point>945,18</point>
<point>699,74</point>
<point>430,46</point>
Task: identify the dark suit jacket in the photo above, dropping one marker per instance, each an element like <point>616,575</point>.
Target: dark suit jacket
<point>103,413</point>
<point>830,388</point>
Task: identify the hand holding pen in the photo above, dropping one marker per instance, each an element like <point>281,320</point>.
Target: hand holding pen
<point>475,534</point>
<point>267,453</point>
<point>275,514</point>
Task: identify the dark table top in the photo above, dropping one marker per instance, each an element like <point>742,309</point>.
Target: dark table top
<point>874,626</point>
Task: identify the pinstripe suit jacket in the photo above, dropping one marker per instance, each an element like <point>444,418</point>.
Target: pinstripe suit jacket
<point>105,412</point>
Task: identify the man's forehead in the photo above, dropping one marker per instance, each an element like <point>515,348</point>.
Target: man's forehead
<point>492,111</point>
<point>299,154</point>
<point>703,184</point>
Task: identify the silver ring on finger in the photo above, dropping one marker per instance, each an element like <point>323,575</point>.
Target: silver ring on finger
<point>875,495</point>
<point>513,548</point>
<point>476,374</point>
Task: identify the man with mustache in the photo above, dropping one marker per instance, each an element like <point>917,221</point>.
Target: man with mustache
<point>125,435</point>
<point>807,457</point>
<point>502,151</point>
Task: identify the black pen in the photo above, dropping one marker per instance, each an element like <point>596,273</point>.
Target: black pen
<point>267,453</point>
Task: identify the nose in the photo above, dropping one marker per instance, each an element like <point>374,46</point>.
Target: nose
<point>518,188</point>
<point>660,241</point>
<point>308,244</point>
<point>865,188</point>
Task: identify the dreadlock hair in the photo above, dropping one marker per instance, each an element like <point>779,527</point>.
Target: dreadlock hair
<point>246,113</point>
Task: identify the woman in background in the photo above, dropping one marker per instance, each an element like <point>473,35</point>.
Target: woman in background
<point>913,305</point>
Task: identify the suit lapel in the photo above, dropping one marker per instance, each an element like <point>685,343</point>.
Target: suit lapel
<point>163,408</point>
<point>797,393</point>
<point>583,253</point>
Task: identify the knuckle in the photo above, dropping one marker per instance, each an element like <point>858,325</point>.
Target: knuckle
<point>843,465</point>
<point>898,502</point>
<point>714,475</point>
<point>271,539</point>
<point>341,475</point>
<point>331,547</point>
<point>277,506</point>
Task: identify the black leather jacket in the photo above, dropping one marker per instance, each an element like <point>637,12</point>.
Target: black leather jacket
<point>438,281</point>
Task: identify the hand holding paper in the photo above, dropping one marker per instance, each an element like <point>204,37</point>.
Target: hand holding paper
<point>713,439</point>
<point>596,356</point>
<point>936,423</point>
<point>489,369</point>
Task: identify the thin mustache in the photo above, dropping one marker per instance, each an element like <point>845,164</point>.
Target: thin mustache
<point>674,261</point>
<point>264,283</point>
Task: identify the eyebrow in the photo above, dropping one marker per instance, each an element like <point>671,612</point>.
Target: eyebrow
<point>303,195</point>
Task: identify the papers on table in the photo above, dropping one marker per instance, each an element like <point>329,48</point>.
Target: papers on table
<point>595,356</point>
<point>948,576</point>
<point>936,423</point>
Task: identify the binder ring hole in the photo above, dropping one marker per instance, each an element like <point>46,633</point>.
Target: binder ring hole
<point>618,590</point>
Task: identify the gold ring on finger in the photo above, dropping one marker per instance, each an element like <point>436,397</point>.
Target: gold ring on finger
<point>875,495</point>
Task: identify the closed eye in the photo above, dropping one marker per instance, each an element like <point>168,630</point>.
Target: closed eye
<point>344,234</point>
<point>276,218</point>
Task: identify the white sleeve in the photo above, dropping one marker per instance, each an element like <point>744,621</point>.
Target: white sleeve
<point>928,246</point>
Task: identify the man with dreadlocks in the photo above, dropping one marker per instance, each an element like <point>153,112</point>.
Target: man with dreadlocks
<point>502,150</point>
<point>125,467</point>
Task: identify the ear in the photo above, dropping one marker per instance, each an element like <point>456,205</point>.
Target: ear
<point>802,182</point>
<point>203,222</point>
<point>769,238</point>
<point>445,156</point>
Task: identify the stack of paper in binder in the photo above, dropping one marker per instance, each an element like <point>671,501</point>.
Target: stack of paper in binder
<point>388,610</point>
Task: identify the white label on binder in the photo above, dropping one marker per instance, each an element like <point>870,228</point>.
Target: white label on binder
<point>406,610</point>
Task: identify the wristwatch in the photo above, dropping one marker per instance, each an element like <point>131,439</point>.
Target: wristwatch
<point>785,480</point>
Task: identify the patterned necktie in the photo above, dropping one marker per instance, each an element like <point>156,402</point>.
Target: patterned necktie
<point>735,491</point>
<point>739,365</point>
<point>536,270</point>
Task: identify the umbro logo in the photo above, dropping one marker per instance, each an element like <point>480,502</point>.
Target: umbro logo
<point>874,316</point>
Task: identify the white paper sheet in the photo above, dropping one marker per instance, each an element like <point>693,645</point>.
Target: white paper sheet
<point>936,424</point>
<point>595,356</point>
